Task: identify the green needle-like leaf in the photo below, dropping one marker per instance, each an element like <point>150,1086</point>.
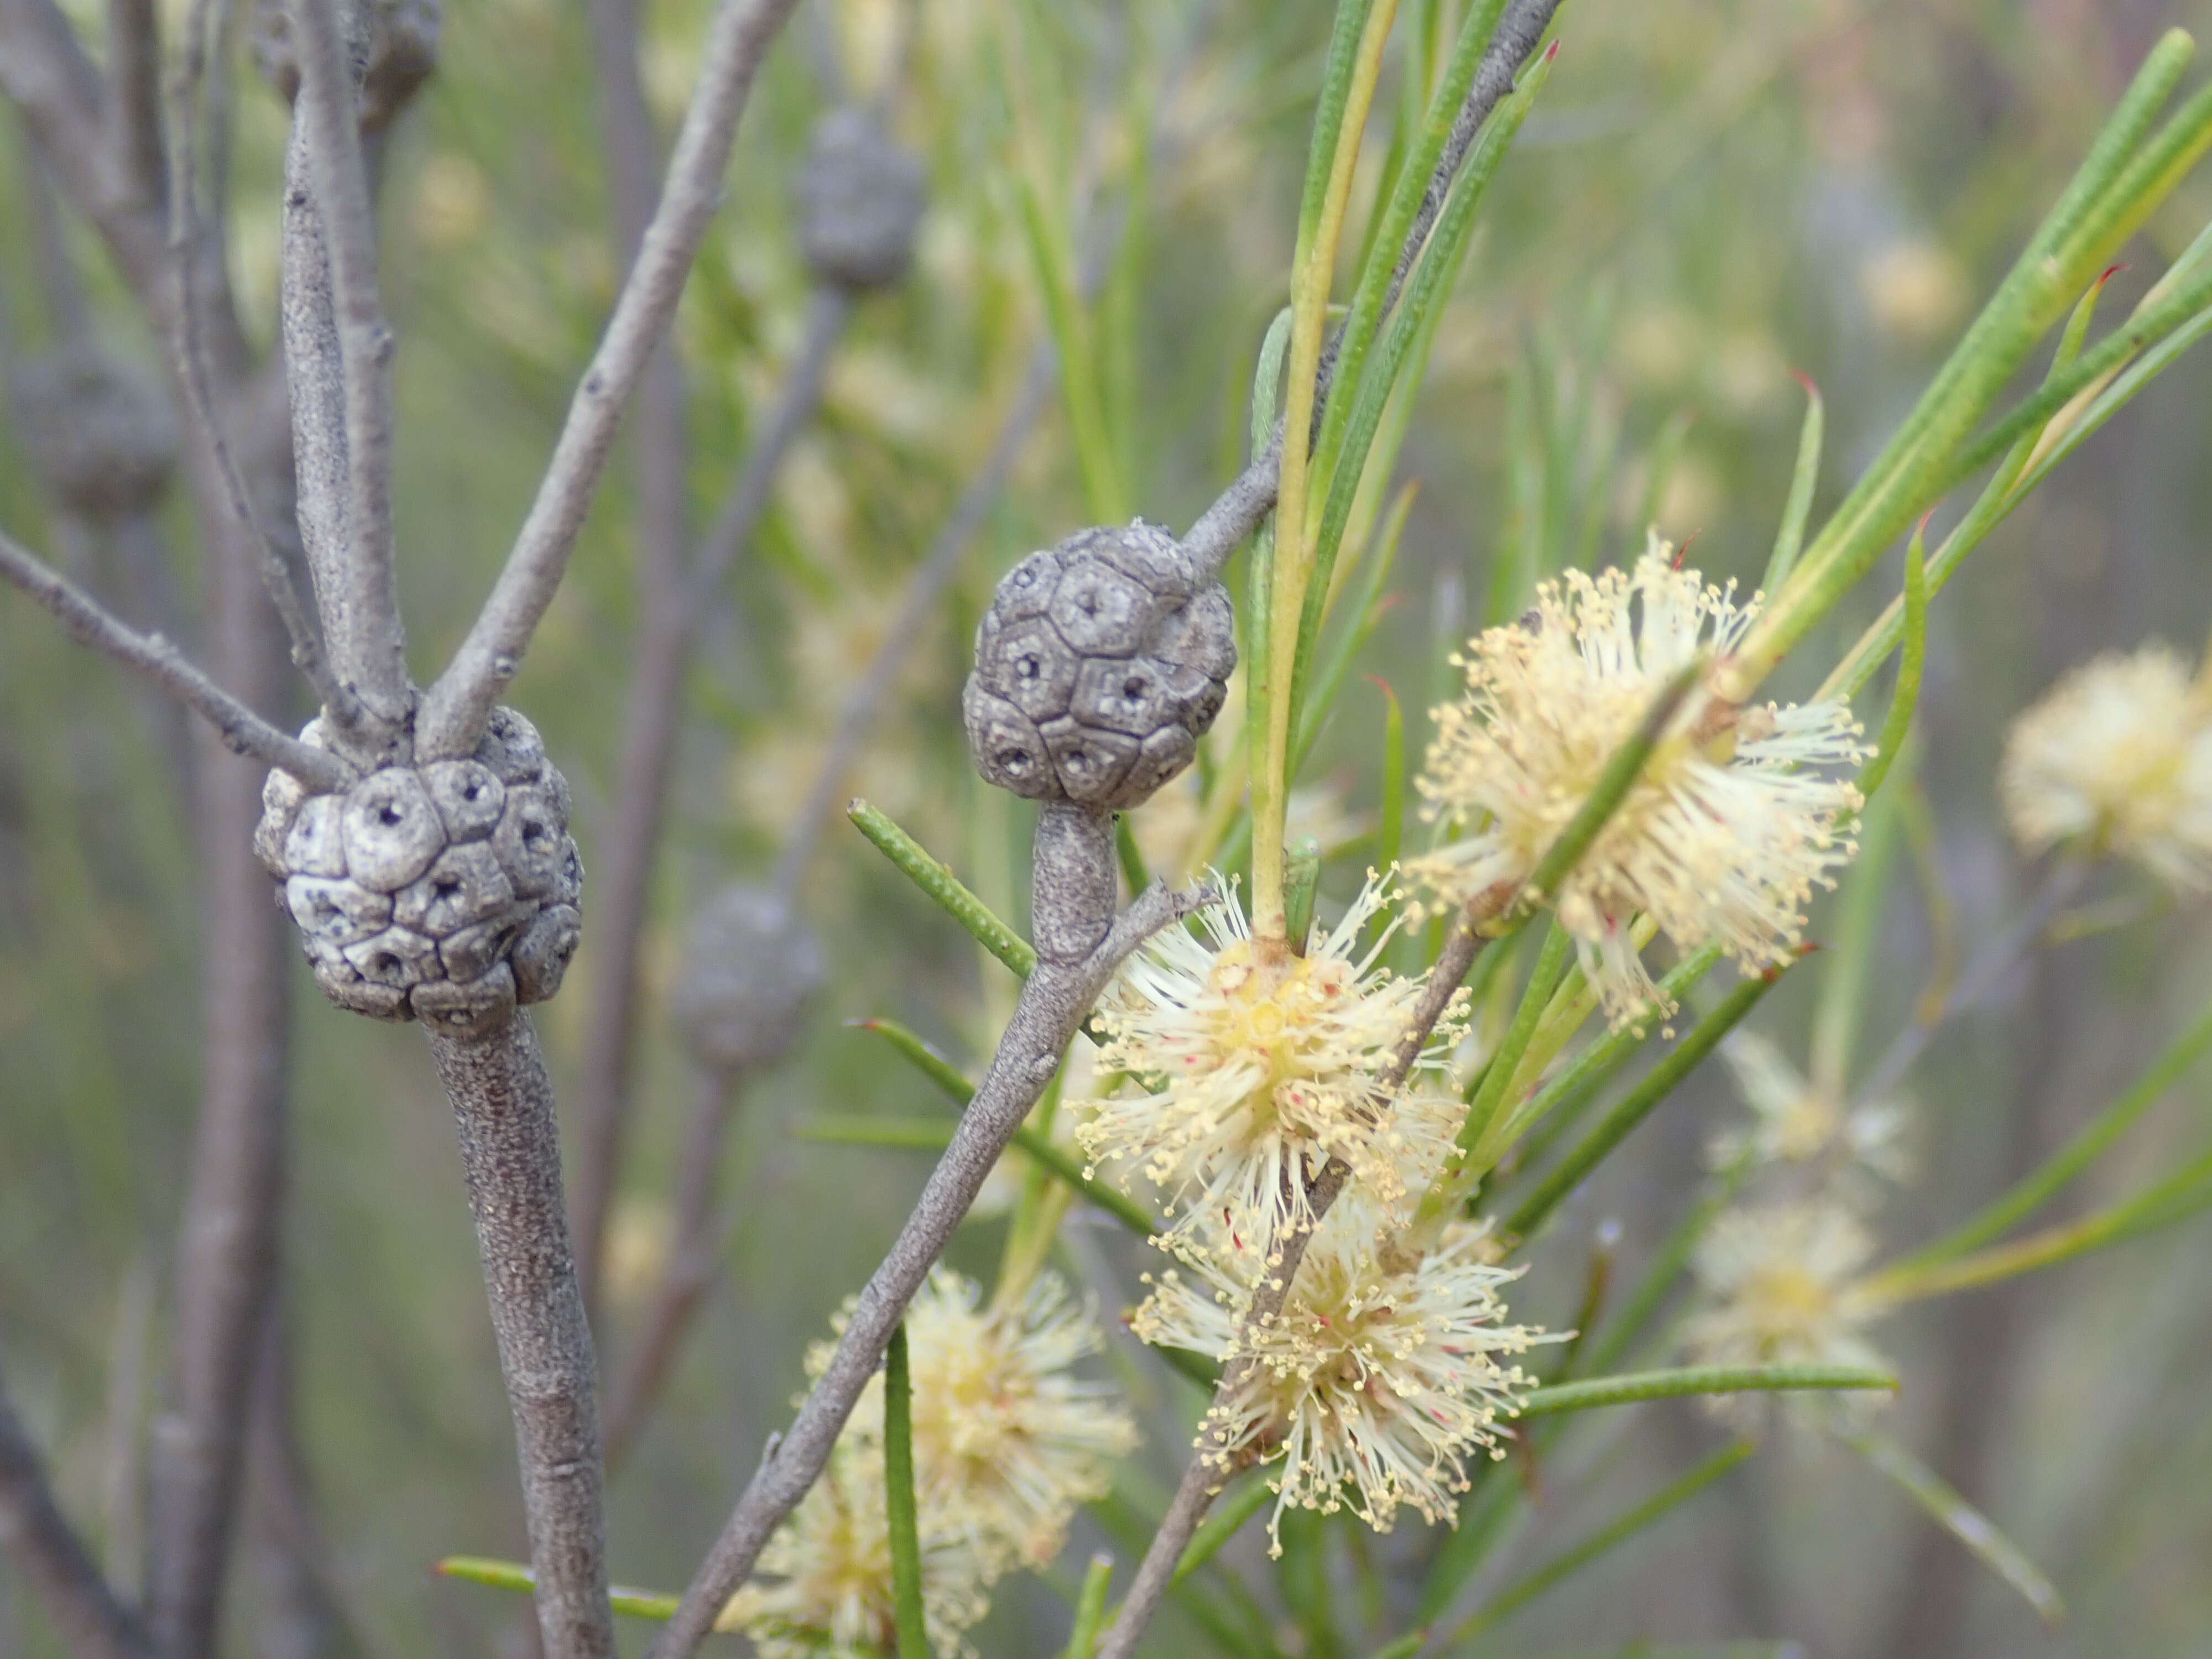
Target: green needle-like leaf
<point>1519,1593</point>
<point>1224,1522</point>
<point>1906,695</point>
<point>1632,1387</point>
<point>1090,1609</point>
<point>924,1059</point>
<point>1960,1519</point>
<point>2037,1189</point>
<point>1390,838</point>
<point>903,1522</point>
<point>937,880</point>
<point>1790,539</point>
<point>1637,1103</point>
<point>515,1575</point>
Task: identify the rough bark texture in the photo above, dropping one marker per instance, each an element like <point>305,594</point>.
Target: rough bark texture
<point>1054,1001</point>
<point>510,1155</point>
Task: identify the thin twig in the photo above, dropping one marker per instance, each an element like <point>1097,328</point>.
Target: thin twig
<point>1208,1467</point>
<point>693,1256</point>
<point>624,878</point>
<point>306,1616</point>
<point>186,345</point>
<point>511,1154</point>
<point>1054,1001</point>
<point>51,1555</point>
<point>923,590</point>
<point>154,658</point>
<point>455,709</point>
<point>372,649</point>
<point>134,99</point>
<point>828,309</point>
<point>648,753</point>
<point>1981,977</point>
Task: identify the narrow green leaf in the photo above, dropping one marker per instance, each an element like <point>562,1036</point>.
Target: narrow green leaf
<point>926,1135</point>
<point>2063,1166</point>
<point>1519,1593</point>
<point>1360,617</point>
<point>1634,1387</point>
<point>1132,857</point>
<point>1223,1522</point>
<point>1960,1519</point>
<point>924,1059</point>
<point>1414,321</point>
<point>938,882</point>
<point>515,1575</point>
<point>1637,1103</point>
<point>1559,1104</point>
<point>1405,1647</point>
<point>1090,1609</point>
<point>1336,78</point>
<point>1476,1154</point>
<point>2181,1195</point>
<point>1790,539</point>
<point>1389,840</point>
<point>1078,370</point>
<point>1301,878</point>
<point>1847,970</point>
<point>1622,768</point>
<point>899,1512</point>
<point>1906,695</point>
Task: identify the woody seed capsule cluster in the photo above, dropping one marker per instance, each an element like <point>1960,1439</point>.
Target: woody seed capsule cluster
<point>403,51</point>
<point>751,965</point>
<point>446,892</point>
<point>100,434</point>
<point>859,201</point>
<point>1100,664</point>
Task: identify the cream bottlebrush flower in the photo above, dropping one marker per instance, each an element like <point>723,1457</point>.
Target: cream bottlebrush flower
<point>2119,754</point>
<point>1383,1381</point>
<point>1007,1441</point>
<point>1796,1121</point>
<point>1728,831</point>
<point>1242,1081</point>
<point>1778,1283</point>
<point>825,1584</point>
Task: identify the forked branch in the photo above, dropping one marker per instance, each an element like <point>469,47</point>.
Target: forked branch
<point>455,709</point>
<point>155,660</point>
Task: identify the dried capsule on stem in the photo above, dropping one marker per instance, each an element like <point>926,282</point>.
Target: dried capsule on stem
<point>860,199</point>
<point>100,435</point>
<point>446,892</point>
<point>751,966</point>
<point>402,50</point>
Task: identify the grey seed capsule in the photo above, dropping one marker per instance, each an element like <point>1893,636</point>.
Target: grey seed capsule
<point>398,956</point>
<point>476,1008</point>
<point>463,886</point>
<point>751,965</point>
<point>859,201</point>
<point>344,985</point>
<point>468,797</point>
<point>315,845</point>
<point>512,748</point>
<point>100,433</point>
<point>335,914</point>
<point>391,829</point>
<point>1089,651</point>
<point>532,841</point>
<point>542,951</point>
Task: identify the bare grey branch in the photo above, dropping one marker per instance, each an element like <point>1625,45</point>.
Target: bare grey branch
<point>155,659</point>
<point>454,708</point>
<point>371,646</point>
<point>54,1558</point>
<point>1054,1001</point>
<point>511,1154</point>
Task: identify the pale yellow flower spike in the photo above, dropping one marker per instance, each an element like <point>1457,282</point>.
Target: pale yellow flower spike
<point>1778,1289</point>
<point>2118,757</point>
<point>1375,1384</point>
<point>1726,834</point>
<point>1242,1083</point>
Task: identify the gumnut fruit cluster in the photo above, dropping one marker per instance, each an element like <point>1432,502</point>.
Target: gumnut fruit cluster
<point>1098,666</point>
<point>99,432</point>
<point>860,199</point>
<point>402,51</point>
<point>444,892</point>
<point>751,966</point>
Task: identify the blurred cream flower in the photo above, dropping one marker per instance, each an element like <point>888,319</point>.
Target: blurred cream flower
<point>1914,290</point>
<point>452,202</point>
<point>2118,755</point>
<point>1723,836</point>
<point>1242,1081</point>
<point>1797,1121</point>
<point>824,1589</point>
<point>1007,1442</point>
<point>640,1230</point>
<point>1374,1384</point>
<point>1777,1282</point>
